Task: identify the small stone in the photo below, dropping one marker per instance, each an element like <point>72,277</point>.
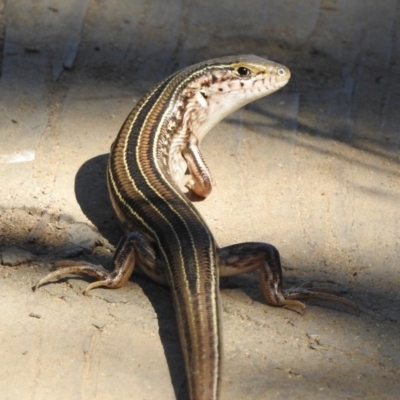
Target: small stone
<point>15,256</point>
<point>99,325</point>
<point>66,219</point>
<point>84,236</point>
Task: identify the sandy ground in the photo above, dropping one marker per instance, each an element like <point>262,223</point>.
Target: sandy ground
<point>313,169</point>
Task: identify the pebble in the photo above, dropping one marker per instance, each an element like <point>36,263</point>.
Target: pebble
<point>83,235</point>
<point>15,256</point>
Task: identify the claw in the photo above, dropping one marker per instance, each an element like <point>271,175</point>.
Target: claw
<point>309,287</point>
<point>306,291</point>
<point>63,268</point>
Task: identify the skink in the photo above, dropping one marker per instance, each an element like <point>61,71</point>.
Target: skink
<point>164,233</point>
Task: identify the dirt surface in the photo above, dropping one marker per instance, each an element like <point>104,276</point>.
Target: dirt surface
<point>313,169</point>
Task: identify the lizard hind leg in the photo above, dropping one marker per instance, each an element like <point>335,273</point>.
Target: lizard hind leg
<point>247,257</point>
<point>133,249</point>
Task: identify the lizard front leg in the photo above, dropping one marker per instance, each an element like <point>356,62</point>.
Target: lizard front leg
<point>247,257</point>
<point>133,249</point>
<point>201,181</point>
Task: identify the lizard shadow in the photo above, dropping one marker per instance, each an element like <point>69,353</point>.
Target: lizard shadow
<point>92,195</point>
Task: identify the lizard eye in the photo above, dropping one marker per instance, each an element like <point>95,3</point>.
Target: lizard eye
<point>243,71</point>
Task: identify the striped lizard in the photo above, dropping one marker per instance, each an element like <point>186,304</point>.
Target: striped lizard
<point>164,233</point>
